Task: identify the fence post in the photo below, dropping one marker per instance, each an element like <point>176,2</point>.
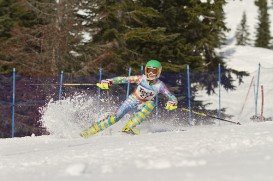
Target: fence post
<point>257,90</point>
<point>128,84</point>
<point>189,94</point>
<point>219,85</point>
<point>100,78</point>
<point>61,85</point>
<point>13,102</point>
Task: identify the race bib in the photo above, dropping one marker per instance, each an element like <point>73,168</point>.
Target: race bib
<point>145,94</point>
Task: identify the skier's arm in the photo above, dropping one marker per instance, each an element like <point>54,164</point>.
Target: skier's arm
<point>123,80</point>
<point>172,100</point>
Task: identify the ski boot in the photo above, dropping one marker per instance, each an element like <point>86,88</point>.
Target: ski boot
<point>138,118</point>
<point>98,126</point>
<point>129,128</point>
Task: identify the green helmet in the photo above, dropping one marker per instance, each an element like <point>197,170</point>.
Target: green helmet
<point>154,64</point>
<point>153,69</point>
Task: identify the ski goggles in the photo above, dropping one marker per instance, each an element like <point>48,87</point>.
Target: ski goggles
<point>152,70</point>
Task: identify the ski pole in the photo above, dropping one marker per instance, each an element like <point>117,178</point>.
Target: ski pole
<point>103,86</point>
<point>69,84</point>
<point>72,84</point>
<point>214,117</point>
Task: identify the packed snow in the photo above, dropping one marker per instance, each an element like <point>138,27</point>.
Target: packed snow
<point>241,102</point>
<point>201,153</point>
<point>215,152</point>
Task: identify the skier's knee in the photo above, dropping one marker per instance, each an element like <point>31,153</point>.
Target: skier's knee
<point>148,107</point>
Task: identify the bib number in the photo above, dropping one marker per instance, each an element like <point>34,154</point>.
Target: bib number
<point>145,93</point>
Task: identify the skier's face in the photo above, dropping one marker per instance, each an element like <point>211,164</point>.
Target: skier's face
<point>151,73</point>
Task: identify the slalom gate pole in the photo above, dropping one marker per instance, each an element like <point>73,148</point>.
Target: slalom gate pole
<point>214,117</point>
<point>262,106</point>
<point>254,87</point>
<point>13,102</point>
<point>100,78</point>
<point>61,85</point>
<point>156,105</point>
<point>128,84</point>
<point>219,85</point>
<point>257,91</point>
<point>189,93</point>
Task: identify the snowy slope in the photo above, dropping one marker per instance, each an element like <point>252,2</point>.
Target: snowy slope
<point>214,153</point>
<point>245,58</point>
<point>220,152</point>
<point>205,153</point>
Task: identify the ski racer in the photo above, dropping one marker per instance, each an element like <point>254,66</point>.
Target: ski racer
<point>141,100</point>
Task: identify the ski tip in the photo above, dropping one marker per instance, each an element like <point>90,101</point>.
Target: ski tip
<point>238,123</point>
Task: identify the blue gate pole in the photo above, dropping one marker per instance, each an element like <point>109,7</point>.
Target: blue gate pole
<point>156,105</point>
<point>100,78</point>
<point>142,70</point>
<point>219,86</point>
<point>13,102</point>
<point>61,85</point>
<point>128,84</point>
<point>257,90</point>
<point>189,94</point>
<point>254,95</point>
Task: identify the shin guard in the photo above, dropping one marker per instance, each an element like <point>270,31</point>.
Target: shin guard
<point>139,117</point>
<point>98,126</point>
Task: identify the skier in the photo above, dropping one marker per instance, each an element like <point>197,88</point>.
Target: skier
<point>141,100</point>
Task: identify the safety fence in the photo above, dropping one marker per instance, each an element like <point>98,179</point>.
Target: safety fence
<point>220,94</point>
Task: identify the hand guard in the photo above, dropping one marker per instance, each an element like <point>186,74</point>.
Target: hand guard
<point>104,84</point>
<point>171,105</point>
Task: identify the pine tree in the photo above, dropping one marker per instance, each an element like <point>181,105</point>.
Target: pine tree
<point>271,32</point>
<point>45,38</point>
<point>123,31</point>
<point>15,16</point>
<point>201,27</point>
<point>175,32</point>
<point>263,36</point>
<point>5,19</point>
<point>242,34</point>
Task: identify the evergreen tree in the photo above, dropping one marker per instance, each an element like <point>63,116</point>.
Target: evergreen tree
<point>124,30</point>
<point>201,27</point>
<point>242,34</point>
<point>271,22</point>
<point>45,39</point>
<point>128,33</point>
<point>263,36</point>
<point>15,16</point>
<point>175,32</point>
<point>5,19</point>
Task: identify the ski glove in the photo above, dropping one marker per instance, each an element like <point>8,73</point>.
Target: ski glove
<point>171,105</point>
<point>104,84</point>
